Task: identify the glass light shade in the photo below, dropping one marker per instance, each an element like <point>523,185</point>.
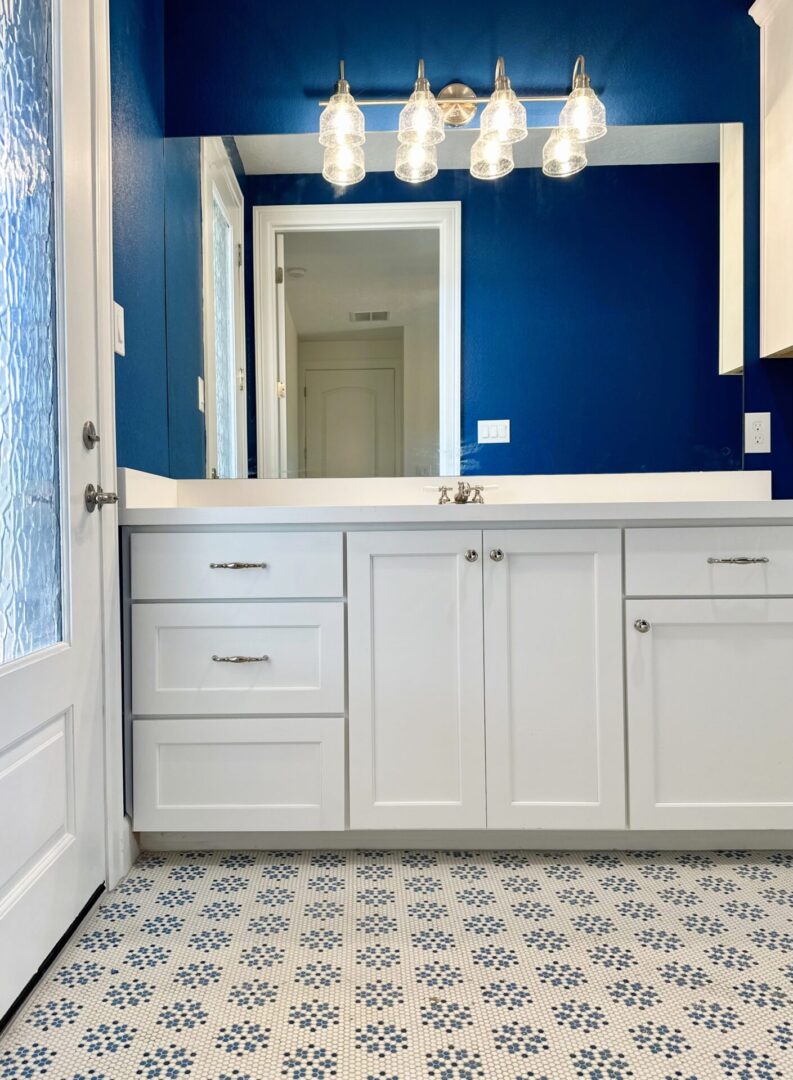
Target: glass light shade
<point>421,120</point>
<point>416,162</point>
<point>584,115</point>
<point>490,159</point>
<point>341,122</point>
<point>563,154</point>
<point>503,118</point>
<point>343,165</point>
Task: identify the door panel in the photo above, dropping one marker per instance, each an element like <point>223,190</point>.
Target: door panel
<point>553,673</point>
<point>51,756</point>
<point>710,700</point>
<point>350,422</point>
<point>415,680</point>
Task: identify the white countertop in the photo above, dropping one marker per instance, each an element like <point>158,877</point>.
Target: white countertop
<point>647,498</point>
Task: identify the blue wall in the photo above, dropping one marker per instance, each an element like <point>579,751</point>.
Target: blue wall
<point>589,315</point>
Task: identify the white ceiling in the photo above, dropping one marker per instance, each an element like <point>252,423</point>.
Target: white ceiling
<point>385,270</point>
<point>640,145</point>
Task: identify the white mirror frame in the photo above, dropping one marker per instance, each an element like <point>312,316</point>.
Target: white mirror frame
<point>271,221</point>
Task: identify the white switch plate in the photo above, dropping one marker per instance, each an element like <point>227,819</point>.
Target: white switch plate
<point>757,432</point>
<point>492,431</point>
<point>119,346</point>
<point>201,401</point>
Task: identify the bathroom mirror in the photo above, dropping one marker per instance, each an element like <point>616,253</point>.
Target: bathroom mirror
<point>524,325</point>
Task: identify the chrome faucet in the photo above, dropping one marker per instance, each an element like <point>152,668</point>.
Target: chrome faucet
<point>465,493</point>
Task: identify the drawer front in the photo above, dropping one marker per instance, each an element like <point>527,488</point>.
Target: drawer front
<point>292,658</point>
<point>240,774</point>
<point>194,566</point>
<point>734,561</point>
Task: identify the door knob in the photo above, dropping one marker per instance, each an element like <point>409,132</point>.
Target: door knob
<point>471,555</point>
<point>496,554</point>
<point>96,498</point>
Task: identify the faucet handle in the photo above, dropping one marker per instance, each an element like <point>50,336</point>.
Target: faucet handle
<point>444,490</point>
<point>477,490</point>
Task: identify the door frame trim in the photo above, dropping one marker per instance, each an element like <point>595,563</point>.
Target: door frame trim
<point>268,221</point>
<point>120,846</point>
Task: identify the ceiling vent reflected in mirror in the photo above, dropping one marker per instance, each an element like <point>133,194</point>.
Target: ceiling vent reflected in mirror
<point>370,316</point>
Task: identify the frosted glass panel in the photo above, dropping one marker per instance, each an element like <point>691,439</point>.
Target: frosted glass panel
<point>30,546</point>
<point>225,374</point>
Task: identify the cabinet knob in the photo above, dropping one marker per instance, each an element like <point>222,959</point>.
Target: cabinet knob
<point>471,555</point>
<point>641,625</point>
<point>496,554</point>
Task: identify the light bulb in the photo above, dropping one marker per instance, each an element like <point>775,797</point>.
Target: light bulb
<point>343,165</point>
<point>416,162</point>
<point>341,120</point>
<point>563,154</point>
<point>421,120</point>
<point>584,114</point>
<point>504,117</point>
<point>490,159</point>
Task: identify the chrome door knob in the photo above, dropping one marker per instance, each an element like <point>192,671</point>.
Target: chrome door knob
<point>96,498</point>
<point>496,554</point>
<point>641,625</point>
<point>471,555</point>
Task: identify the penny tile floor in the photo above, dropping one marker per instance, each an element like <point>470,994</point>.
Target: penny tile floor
<point>422,965</point>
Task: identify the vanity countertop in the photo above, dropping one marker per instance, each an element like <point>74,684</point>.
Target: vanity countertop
<point>663,498</point>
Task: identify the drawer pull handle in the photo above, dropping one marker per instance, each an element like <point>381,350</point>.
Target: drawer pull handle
<point>641,625</point>
<point>240,659</point>
<point>238,566</point>
<point>740,560</point>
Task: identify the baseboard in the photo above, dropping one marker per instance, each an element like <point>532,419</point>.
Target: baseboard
<point>479,840</point>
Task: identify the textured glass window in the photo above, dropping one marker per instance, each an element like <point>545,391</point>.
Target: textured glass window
<point>30,543</point>
<point>225,374</point>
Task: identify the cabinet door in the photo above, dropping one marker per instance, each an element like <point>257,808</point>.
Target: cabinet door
<point>416,680</point>
<point>553,673</point>
<point>710,713</point>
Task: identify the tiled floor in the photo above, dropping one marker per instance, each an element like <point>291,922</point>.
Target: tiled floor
<point>445,966</point>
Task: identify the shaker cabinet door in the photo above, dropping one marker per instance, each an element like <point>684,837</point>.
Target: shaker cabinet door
<point>416,695</point>
<point>710,713</point>
<point>553,677</point>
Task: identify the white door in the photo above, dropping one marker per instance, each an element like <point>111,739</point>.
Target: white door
<point>553,673</point>
<point>416,695</point>
<point>51,746</point>
<point>349,423</point>
<point>710,713</point>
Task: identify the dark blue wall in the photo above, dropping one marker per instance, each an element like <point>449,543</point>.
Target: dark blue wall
<point>589,315</point>
<point>136,65</point>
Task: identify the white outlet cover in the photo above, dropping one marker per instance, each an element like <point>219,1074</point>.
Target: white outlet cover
<point>119,343</point>
<point>757,432</point>
<point>201,398</point>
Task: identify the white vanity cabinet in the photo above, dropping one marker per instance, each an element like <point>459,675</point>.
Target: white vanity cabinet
<point>543,745</point>
<point>416,685</point>
<point>709,678</point>
<point>554,712</point>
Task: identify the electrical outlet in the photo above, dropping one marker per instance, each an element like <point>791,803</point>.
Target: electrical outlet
<point>201,401</point>
<point>492,431</point>
<point>119,342</point>
<point>757,432</point>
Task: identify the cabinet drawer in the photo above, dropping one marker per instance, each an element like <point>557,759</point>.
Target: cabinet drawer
<point>294,658</point>
<point>734,561</point>
<point>179,566</point>
<point>240,774</point>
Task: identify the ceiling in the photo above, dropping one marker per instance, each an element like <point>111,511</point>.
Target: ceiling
<point>640,145</point>
<point>394,270</point>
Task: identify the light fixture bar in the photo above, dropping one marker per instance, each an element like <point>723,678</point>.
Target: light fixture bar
<point>452,100</point>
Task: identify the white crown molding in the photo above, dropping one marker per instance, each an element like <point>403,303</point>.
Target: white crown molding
<point>762,10</point>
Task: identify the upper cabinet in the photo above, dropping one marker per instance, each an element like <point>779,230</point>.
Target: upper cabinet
<point>775,19</point>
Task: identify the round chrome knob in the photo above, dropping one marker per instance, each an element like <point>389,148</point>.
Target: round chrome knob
<point>471,555</point>
<point>641,625</point>
<point>496,554</point>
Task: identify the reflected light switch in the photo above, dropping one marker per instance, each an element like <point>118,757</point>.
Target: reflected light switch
<point>493,431</point>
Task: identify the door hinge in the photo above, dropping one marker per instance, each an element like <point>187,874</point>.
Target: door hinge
<point>279,275</point>
<point>239,254</point>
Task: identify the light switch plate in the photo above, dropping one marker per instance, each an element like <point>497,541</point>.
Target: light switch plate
<point>493,431</point>
<point>201,399</point>
<point>119,345</point>
<point>757,432</point>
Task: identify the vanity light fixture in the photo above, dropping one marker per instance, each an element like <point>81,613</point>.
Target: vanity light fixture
<point>342,122</point>
<point>416,162</point>
<point>491,159</point>
<point>504,117</point>
<point>421,120</point>
<point>584,115</point>
<point>343,165</point>
<point>563,154</point>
